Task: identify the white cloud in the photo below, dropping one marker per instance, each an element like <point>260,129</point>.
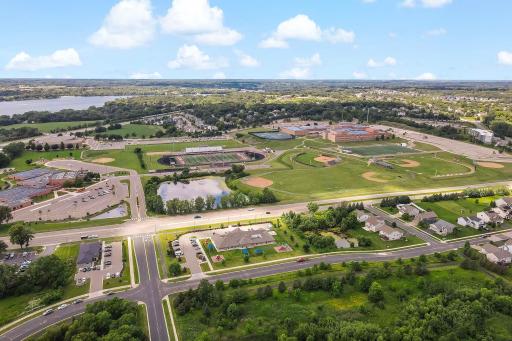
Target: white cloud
<point>338,35</point>
<point>388,61</point>
<point>141,75</point>
<point>435,3</point>
<point>436,32</point>
<point>392,35</point>
<point>308,62</point>
<point>426,3</point>
<point>129,24</point>
<point>427,76</point>
<point>505,57</point>
<point>273,43</point>
<point>408,3</point>
<point>301,27</point>
<point>359,75</point>
<point>219,75</point>
<point>246,60</point>
<point>302,67</point>
<point>198,19</point>
<point>191,57</point>
<point>223,37</point>
<point>368,1</point>
<point>59,58</point>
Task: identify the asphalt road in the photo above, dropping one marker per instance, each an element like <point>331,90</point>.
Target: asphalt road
<point>151,290</point>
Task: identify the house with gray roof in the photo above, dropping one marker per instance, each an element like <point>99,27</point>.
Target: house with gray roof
<point>88,254</point>
<point>495,254</point>
<point>411,209</point>
<point>472,221</point>
<point>442,227</point>
<point>241,239</point>
<point>427,217</point>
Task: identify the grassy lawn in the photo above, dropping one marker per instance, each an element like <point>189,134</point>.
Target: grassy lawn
<point>168,320</point>
<point>64,225</point>
<point>308,159</point>
<point>262,316</point>
<point>136,130</point>
<point>121,158</point>
<point>20,164</point>
<point>163,259</point>
<point>380,244</point>
<point>48,127</point>
<point>431,165</point>
<point>297,182</point>
<point>267,252</point>
<point>450,210</point>
<point>15,307</point>
<point>379,149</point>
<point>125,273</point>
<point>135,266</point>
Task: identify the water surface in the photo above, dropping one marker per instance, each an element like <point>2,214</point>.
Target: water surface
<point>195,188</point>
<point>54,104</point>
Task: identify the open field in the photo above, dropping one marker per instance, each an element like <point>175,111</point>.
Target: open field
<point>262,318</point>
<point>21,165</point>
<point>136,130</point>
<point>380,149</point>
<point>293,181</point>
<point>48,127</point>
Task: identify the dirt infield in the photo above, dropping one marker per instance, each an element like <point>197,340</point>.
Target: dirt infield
<point>490,164</point>
<point>372,176</point>
<point>256,181</point>
<point>409,163</point>
<point>325,159</point>
<point>104,160</point>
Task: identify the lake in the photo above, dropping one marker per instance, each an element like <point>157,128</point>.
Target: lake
<point>195,188</point>
<point>54,104</point>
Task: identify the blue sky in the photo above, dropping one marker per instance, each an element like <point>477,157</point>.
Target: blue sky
<point>311,39</point>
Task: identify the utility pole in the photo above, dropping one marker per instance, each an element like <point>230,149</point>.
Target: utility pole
<point>367,114</point>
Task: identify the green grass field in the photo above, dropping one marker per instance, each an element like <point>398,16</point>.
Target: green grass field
<point>261,317</point>
<point>21,165</point>
<point>136,130</point>
<point>308,159</point>
<point>297,182</point>
<point>433,165</point>
<point>380,149</point>
<point>48,127</point>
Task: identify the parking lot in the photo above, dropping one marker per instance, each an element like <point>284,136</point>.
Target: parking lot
<point>109,266</point>
<point>190,248</point>
<point>76,205</point>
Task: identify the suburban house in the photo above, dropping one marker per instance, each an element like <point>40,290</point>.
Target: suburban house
<point>362,216</point>
<point>506,201</point>
<point>88,254</point>
<point>503,211</point>
<point>427,217</point>
<point>490,217</point>
<point>411,209</point>
<point>390,233</point>
<point>374,224</point>
<point>495,254</point>
<point>507,245</point>
<point>472,221</point>
<point>241,239</point>
<point>442,227</point>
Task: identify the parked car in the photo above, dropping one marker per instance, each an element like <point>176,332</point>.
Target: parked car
<point>197,217</point>
<point>108,275</point>
<point>108,262</point>
<point>78,300</point>
<point>108,254</point>
<point>110,292</point>
<point>301,260</point>
<point>62,306</point>
<point>48,312</point>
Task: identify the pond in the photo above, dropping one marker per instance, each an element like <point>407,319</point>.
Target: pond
<point>195,188</point>
<point>54,104</point>
<point>116,212</point>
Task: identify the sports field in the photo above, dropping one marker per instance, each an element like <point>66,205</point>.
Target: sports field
<point>380,149</point>
<point>294,181</point>
<point>209,158</point>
